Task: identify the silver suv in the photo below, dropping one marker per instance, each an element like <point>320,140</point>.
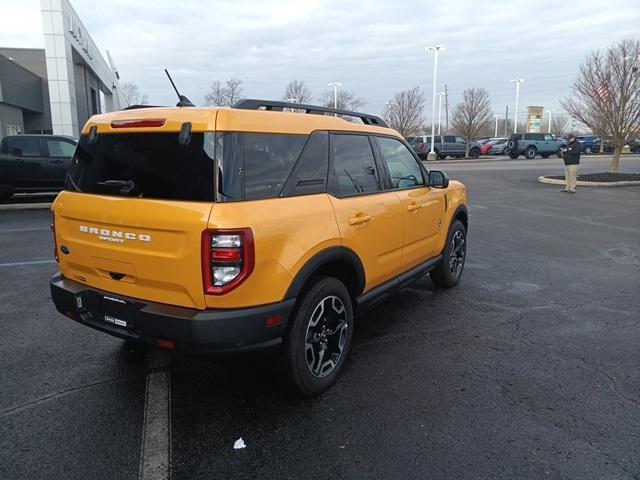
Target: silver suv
<point>532,144</point>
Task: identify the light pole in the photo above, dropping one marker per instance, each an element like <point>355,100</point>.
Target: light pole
<point>496,116</point>
<point>435,49</point>
<point>517,81</point>
<point>550,112</point>
<point>335,86</point>
<point>440,95</point>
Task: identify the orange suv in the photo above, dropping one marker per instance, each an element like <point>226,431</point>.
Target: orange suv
<point>232,230</point>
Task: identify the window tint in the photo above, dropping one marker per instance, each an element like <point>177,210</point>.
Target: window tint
<point>310,173</point>
<point>448,139</point>
<point>354,170</point>
<point>60,148</point>
<point>25,147</point>
<point>255,166</point>
<point>156,164</point>
<point>460,140</point>
<point>403,168</point>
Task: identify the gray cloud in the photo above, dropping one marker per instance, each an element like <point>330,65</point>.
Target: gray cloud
<point>373,48</point>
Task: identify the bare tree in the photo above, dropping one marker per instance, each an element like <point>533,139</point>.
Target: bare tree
<point>224,94</point>
<point>560,124</point>
<point>404,112</point>
<point>346,101</point>
<point>473,114</point>
<point>131,95</point>
<point>297,92</point>
<point>606,95</point>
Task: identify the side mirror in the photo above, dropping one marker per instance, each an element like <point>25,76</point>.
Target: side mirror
<point>438,179</point>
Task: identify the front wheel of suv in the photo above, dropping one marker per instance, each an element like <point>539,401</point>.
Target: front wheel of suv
<point>448,273</point>
<point>319,336</point>
<point>474,153</point>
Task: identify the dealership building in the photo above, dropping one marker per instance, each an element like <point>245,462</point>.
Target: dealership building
<point>56,89</point>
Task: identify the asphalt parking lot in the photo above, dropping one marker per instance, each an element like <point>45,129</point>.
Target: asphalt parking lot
<point>528,369</point>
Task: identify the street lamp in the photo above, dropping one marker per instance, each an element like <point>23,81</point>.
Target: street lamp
<point>435,49</point>
<point>550,112</point>
<point>335,86</point>
<point>496,116</point>
<point>440,94</point>
<point>517,81</point>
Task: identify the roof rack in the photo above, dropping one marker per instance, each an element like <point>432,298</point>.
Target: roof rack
<point>270,105</point>
<point>135,107</point>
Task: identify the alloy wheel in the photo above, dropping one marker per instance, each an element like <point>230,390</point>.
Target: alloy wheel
<point>457,253</point>
<point>326,336</point>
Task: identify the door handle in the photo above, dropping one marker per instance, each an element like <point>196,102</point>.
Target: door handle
<point>414,207</point>
<point>359,219</point>
<point>56,161</point>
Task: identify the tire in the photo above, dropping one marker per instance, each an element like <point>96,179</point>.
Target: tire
<point>513,156</point>
<point>545,155</point>
<point>588,150</point>
<point>324,307</point>
<point>448,273</point>
<point>6,192</point>
<point>474,153</point>
<point>530,153</point>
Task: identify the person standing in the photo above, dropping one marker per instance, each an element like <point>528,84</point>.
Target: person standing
<point>571,161</point>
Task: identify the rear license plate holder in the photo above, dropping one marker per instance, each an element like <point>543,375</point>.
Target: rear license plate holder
<point>116,312</point>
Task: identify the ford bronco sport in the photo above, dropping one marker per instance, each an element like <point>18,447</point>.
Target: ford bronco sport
<point>232,230</point>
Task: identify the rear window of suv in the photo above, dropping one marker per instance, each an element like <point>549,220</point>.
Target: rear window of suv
<point>155,164</point>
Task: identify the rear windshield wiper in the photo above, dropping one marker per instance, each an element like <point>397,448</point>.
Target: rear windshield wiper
<point>73,183</point>
<point>127,187</point>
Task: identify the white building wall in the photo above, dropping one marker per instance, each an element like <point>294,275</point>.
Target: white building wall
<point>65,34</point>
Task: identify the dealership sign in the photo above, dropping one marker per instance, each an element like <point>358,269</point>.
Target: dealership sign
<point>75,28</point>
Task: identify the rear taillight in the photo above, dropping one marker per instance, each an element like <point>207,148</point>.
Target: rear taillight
<point>227,259</point>
<point>55,241</point>
<point>421,146</point>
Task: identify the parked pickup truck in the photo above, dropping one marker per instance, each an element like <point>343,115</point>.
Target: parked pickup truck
<point>445,145</point>
<point>34,163</point>
<point>532,144</point>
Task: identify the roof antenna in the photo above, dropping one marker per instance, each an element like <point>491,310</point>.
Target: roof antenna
<point>182,100</point>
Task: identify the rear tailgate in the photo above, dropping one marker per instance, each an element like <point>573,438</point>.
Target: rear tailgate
<point>141,248</point>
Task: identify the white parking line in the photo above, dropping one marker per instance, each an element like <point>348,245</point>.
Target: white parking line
<point>22,264</point>
<point>155,450</point>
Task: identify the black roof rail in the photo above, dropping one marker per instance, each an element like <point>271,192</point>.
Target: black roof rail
<point>134,107</point>
<point>271,105</point>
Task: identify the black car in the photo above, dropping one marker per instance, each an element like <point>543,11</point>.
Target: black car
<point>34,163</point>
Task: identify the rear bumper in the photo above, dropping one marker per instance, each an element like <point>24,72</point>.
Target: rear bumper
<point>210,332</point>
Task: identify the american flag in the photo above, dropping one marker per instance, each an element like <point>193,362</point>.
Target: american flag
<point>603,91</point>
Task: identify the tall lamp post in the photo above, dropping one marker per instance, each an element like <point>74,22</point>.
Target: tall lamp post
<point>496,116</point>
<point>550,112</point>
<point>517,81</point>
<point>335,86</point>
<point>440,94</point>
<point>435,49</point>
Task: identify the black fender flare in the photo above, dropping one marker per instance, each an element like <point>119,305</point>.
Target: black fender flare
<point>461,209</point>
<point>332,254</point>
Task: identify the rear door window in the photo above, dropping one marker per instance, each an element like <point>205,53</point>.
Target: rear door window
<point>353,169</point>
<point>60,148</point>
<point>146,165</point>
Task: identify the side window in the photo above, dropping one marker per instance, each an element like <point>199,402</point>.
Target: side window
<point>354,168</point>
<point>60,148</point>
<point>310,173</point>
<point>548,138</point>
<point>25,147</point>
<point>460,140</point>
<point>404,170</point>
<point>449,139</point>
<point>268,161</point>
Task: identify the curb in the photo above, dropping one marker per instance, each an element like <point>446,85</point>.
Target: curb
<point>26,206</point>
<point>553,181</point>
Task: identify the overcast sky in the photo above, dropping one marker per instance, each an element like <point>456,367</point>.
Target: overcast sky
<point>373,48</point>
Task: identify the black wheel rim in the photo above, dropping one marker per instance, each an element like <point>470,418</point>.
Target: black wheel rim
<point>326,336</point>
<point>457,253</point>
